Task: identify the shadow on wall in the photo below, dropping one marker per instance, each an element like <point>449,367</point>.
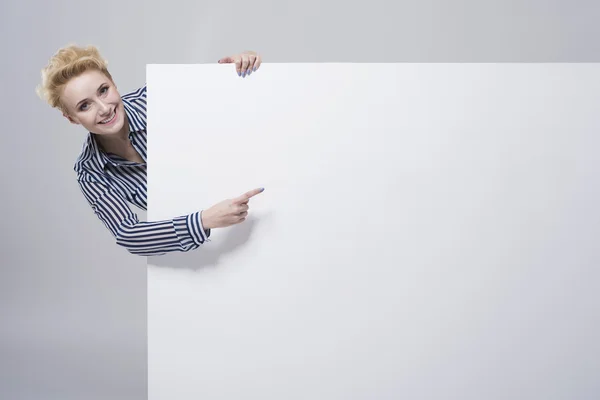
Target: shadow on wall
<point>209,254</point>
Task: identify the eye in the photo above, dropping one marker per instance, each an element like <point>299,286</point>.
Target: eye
<point>104,89</point>
<point>83,107</point>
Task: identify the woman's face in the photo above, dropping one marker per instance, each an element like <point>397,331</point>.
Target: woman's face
<point>92,100</point>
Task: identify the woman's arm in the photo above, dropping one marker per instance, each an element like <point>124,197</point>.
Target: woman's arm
<point>183,233</point>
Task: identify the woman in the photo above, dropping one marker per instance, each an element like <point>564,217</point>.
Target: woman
<point>111,168</point>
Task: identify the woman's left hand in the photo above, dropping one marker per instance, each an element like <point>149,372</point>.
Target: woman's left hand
<point>245,63</point>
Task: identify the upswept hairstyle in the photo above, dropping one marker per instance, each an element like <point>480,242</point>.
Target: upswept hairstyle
<point>67,63</point>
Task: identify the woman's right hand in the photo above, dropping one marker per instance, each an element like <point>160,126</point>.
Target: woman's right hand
<point>228,212</point>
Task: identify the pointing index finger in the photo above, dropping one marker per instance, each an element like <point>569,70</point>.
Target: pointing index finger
<point>248,195</point>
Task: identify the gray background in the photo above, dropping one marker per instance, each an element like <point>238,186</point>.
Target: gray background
<point>73,304</point>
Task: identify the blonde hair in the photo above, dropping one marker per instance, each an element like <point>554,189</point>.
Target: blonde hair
<point>67,63</point>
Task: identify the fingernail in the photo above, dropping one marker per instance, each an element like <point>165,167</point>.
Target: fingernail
<point>249,72</point>
<point>244,74</point>
<point>239,73</point>
<point>262,189</point>
<point>254,69</point>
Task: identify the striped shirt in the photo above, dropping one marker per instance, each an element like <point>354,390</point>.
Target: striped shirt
<point>109,182</point>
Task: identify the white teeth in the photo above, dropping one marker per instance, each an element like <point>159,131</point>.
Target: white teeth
<point>108,119</point>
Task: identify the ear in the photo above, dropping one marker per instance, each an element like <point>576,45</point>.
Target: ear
<point>71,120</point>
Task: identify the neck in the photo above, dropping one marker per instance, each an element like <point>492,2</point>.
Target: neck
<point>117,141</point>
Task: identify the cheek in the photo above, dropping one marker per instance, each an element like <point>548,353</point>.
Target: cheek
<point>114,96</point>
<point>88,120</point>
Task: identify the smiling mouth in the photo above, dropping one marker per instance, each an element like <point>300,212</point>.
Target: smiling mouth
<point>110,119</point>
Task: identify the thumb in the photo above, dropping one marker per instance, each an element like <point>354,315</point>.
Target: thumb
<point>226,60</point>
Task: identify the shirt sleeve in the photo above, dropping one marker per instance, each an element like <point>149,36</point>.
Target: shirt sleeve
<point>182,233</point>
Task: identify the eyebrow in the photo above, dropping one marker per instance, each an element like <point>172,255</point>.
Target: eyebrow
<point>97,90</point>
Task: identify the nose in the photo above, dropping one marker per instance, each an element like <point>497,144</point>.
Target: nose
<point>104,108</point>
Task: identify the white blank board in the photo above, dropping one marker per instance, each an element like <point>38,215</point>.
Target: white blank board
<point>428,231</point>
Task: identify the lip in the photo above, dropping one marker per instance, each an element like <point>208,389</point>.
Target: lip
<point>111,122</point>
